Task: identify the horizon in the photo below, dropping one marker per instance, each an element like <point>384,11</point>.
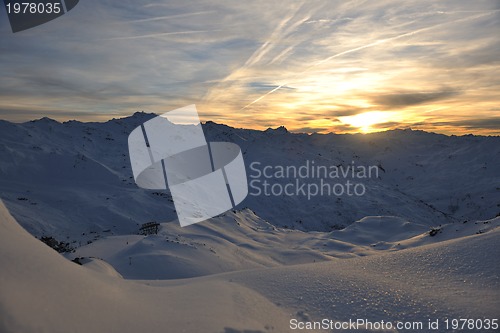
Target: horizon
<point>309,66</point>
<point>204,122</point>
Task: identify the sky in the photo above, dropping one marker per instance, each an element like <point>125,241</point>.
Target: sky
<point>312,66</point>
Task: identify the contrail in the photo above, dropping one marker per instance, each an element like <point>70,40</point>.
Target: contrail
<point>283,29</point>
<point>170,17</point>
<point>161,34</point>
<point>261,97</point>
<point>361,48</point>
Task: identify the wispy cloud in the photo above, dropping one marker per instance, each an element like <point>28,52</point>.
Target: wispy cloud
<point>311,66</point>
<point>161,34</point>
<point>404,99</point>
<point>169,17</point>
<point>369,45</point>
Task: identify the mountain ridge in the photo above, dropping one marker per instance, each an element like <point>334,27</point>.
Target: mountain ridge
<point>144,116</point>
<point>77,177</point>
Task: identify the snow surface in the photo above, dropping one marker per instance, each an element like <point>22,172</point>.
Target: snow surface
<point>76,177</point>
<point>241,240</point>
<point>423,243</point>
<point>40,291</point>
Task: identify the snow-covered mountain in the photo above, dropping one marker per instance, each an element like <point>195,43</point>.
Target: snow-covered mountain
<point>76,177</point>
<point>241,240</point>
<point>420,244</point>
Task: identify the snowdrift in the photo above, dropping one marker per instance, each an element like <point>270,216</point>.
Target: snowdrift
<point>40,291</point>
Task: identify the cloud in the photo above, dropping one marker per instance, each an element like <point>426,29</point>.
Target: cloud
<point>404,99</point>
<point>342,128</point>
<point>346,112</point>
<point>260,86</point>
<point>307,129</point>
<point>459,126</point>
<point>389,125</point>
<point>161,34</point>
<point>261,64</point>
<point>169,17</point>
<point>492,123</point>
<point>19,114</point>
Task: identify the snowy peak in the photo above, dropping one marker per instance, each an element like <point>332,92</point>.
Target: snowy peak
<point>139,116</point>
<point>278,130</point>
<point>76,177</point>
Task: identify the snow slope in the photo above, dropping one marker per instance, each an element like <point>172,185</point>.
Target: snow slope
<point>421,244</point>
<point>40,291</point>
<point>241,240</point>
<point>76,177</point>
<point>455,279</point>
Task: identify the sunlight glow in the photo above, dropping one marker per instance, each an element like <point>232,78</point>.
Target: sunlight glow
<point>364,121</point>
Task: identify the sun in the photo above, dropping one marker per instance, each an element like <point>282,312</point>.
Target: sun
<point>365,121</point>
